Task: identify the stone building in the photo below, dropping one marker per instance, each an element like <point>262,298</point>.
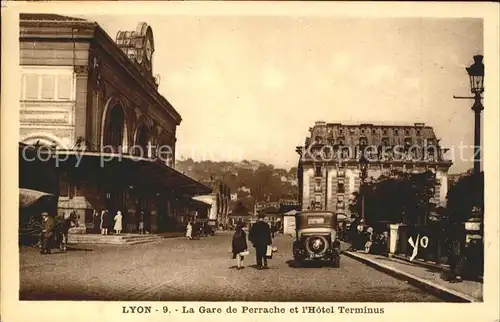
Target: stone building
<point>219,200</point>
<point>329,169</point>
<point>95,102</point>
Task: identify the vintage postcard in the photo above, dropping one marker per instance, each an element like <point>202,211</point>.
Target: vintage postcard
<point>275,160</point>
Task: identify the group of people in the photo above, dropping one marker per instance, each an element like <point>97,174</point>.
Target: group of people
<point>261,237</point>
<point>365,238</point>
<point>104,221</point>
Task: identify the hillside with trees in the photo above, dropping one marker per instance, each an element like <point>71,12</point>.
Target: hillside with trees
<point>249,179</point>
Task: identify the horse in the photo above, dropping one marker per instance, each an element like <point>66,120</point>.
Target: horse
<point>63,223</point>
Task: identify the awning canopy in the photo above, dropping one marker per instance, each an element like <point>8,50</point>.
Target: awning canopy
<point>28,197</point>
<point>269,210</point>
<point>124,169</point>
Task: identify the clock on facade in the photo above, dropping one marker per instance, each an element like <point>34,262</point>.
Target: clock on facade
<point>149,50</point>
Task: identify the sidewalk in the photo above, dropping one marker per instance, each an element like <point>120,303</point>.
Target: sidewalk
<point>422,276</point>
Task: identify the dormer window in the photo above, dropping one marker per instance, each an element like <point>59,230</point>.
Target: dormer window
<point>395,131</point>
<point>384,131</point>
<point>374,131</point>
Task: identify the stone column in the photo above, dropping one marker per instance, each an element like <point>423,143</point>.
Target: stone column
<point>81,88</point>
<point>393,239</point>
<point>79,204</point>
<point>306,188</point>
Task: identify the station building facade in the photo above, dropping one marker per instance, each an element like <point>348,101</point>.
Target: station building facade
<point>93,102</point>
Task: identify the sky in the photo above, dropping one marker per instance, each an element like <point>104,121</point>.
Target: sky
<point>249,87</point>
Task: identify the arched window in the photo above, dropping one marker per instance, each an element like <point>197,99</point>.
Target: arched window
<point>114,129</point>
<point>141,147</point>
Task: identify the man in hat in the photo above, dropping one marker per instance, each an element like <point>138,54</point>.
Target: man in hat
<point>260,236</point>
<point>47,233</point>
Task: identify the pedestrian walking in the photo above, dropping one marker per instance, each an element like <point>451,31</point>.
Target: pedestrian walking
<point>141,222</point>
<point>96,220</point>
<point>189,230</point>
<point>104,222</point>
<point>273,230</point>
<point>118,222</point>
<point>369,240</point>
<point>260,236</point>
<point>47,233</point>
<point>361,236</point>
<point>239,246</point>
<point>456,256</point>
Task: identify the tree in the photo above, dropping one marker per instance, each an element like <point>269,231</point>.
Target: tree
<point>398,197</point>
<point>464,195</point>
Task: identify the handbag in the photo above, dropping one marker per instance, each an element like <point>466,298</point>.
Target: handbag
<point>269,251</point>
<point>244,253</point>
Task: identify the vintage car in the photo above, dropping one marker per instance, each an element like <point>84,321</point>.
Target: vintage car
<point>204,227</point>
<point>316,237</point>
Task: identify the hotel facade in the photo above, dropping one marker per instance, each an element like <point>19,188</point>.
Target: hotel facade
<point>329,168</point>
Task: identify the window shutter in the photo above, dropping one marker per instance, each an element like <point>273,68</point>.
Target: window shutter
<point>64,87</point>
<point>31,90</point>
<point>48,86</point>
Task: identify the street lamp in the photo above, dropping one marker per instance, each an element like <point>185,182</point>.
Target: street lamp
<point>476,77</point>
<point>363,164</point>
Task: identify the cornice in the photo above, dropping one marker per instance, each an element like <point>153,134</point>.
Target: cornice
<point>445,164</point>
<point>112,49</point>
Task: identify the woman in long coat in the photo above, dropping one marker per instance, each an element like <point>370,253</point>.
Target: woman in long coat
<point>118,222</point>
<point>239,245</point>
<point>104,222</point>
<point>189,231</point>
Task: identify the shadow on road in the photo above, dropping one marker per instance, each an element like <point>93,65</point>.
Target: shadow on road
<point>74,249</point>
<point>313,264</point>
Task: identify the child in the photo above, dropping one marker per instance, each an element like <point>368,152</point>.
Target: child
<point>239,245</point>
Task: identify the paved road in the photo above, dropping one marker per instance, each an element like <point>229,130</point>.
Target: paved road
<point>200,270</point>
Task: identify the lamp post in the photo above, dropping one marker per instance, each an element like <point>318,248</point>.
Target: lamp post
<point>476,77</point>
<point>363,164</point>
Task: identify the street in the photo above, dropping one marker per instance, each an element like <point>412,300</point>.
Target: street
<point>200,270</point>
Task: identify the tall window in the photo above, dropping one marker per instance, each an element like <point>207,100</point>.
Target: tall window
<point>142,142</point>
<point>47,84</point>
<point>318,171</point>
<point>341,186</point>
<point>114,128</point>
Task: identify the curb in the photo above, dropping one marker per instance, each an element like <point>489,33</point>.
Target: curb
<point>430,265</point>
<point>438,290</point>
